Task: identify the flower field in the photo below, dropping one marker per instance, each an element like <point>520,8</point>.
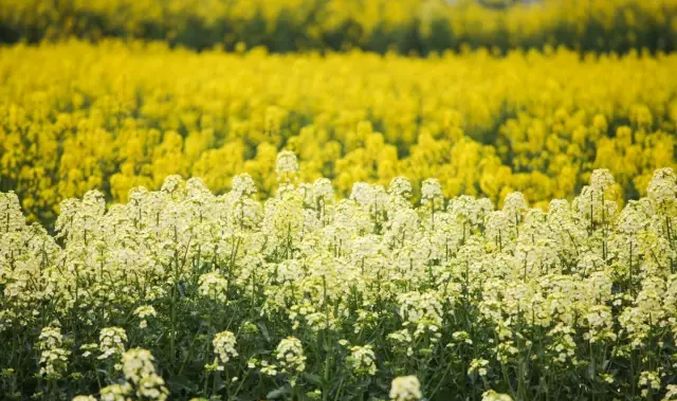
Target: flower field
<point>338,200</point>
<point>310,295</point>
<point>407,26</point>
<point>115,116</point>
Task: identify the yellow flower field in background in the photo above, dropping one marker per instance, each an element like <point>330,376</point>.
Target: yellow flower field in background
<point>416,26</point>
<point>112,116</point>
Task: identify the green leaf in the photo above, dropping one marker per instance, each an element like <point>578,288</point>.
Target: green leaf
<point>279,392</point>
<point>312,378</point>
<point>264,330</point>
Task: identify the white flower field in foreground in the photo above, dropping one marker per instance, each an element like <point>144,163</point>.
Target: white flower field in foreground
<point>371,297</point>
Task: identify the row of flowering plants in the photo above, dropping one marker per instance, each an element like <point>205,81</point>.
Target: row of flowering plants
<point>133,113</point>
<point>181,294</point>
<point>418,26</point>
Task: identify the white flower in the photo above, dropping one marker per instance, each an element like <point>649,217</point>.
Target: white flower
<point>400,186</point>
<point>173,185</point>
<point>649,381</point>
<point>243,185</point>
<point>53,358</point>
<point>372,197</point>
<point>663,186</point>
<point>112,342</point>
<point>362,360</point>
<point>515,204</point>
<point>431,190</point>
<point>137,363</point>
<point>421,310</point>
<point>405,388</point>
<point>491,395</point>
<point>83,398</point>
<point>50,337</point>
<point>671,393</point>
<point>213,286</point>
<point>143,312</point>
<point>322,189</point>
<point>224,347</point>
<point>11,218</point>
<point>286,163</point>
<point>53,362</point>
<point>289,355</point>
<point>461,336</point>
<point>116,392</point>
<point>601,179</point>
<point>138,368</point>
<point>478,366</point>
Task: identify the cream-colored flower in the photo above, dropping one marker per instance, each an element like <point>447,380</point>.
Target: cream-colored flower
<point>405,388</point>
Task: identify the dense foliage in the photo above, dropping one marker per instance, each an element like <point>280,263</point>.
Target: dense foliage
<point>311,296</point>
<point>418,26</point>
<point>75,117</point>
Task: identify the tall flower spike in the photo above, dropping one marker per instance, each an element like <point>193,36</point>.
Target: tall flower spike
<point>224,348</point>
<point>362,360</point>
<point>322,189</point>
<point>112,342</point>
<point>601,179</point>
<point>289,354</point>
<point>214,286</point>
<point>11,218</point>
<point>286,164</point>
<point>400,186</point>
<point>663,186</point>
<point>54,358</point>
<point>139,369</point>
<point>173,185</point>
<point>243,185</point>
<point>431,190</point>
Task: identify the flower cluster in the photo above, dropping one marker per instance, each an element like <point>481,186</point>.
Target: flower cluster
<point>289,355</point>
<point>139,370</point>
<point>53,358</point>
<point>491,395</point>
<point>112,342</point>
<point>224,348</point>
<point>362,360</point>
<point>143,312</point>
<point>213,286</point>
<point>405,388</point>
